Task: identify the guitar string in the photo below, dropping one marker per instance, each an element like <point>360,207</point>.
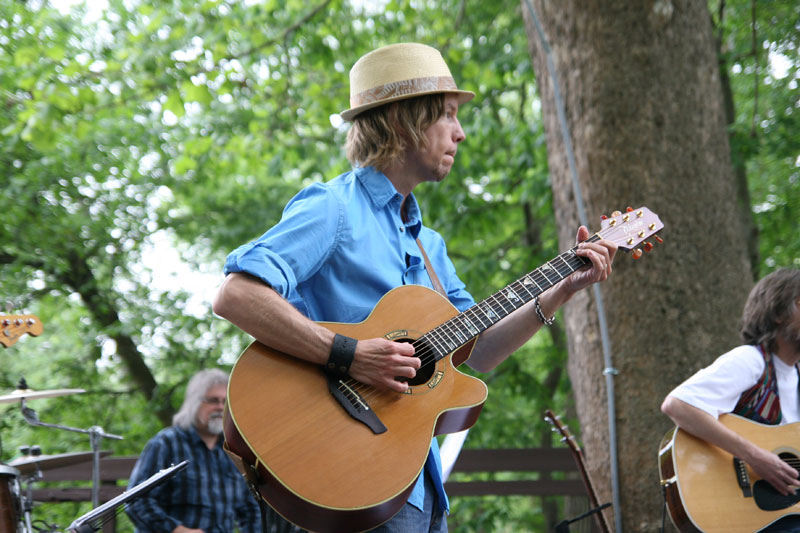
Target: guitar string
<point>427,353</point>
<point>423,346</point>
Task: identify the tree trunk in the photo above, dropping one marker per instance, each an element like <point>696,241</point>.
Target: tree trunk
<point>643,105</point>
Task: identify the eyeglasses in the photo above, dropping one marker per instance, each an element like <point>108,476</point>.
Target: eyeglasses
<point>214,401</point>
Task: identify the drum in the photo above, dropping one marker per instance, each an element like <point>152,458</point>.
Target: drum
<point>9,499</point>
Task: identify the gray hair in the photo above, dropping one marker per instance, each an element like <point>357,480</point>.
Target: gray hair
<point>195,392</point>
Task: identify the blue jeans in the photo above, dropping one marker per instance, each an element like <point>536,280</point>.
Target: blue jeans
<point>432,519</point>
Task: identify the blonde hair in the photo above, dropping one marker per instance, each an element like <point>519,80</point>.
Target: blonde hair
<point>379,137</point>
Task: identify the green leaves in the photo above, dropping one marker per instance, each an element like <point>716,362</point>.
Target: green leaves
<point>199,120</point>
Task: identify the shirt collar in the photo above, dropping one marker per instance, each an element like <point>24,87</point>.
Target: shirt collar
<point>194,435</point>
<point>382,192</point>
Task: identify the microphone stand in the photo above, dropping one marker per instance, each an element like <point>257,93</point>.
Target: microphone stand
<point>96,434</point>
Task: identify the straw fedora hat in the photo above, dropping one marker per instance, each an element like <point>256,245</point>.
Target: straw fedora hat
<point>397,72</point>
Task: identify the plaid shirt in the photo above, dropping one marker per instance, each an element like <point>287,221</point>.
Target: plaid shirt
<point>209,494</point>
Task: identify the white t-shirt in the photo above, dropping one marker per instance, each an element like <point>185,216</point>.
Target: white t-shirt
<point>716,389</point>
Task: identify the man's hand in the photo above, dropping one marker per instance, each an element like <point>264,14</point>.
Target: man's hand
<point>601,253</point>
<point>378,362</point>
<point>774,470</point>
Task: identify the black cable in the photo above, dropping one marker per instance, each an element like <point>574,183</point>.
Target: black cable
<point>563,526</point>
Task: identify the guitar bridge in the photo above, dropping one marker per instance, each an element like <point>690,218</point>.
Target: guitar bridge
<point>355,405</point>
<point>742,477</point>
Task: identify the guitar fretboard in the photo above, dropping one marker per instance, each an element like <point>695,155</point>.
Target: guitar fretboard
<point>456,332</point>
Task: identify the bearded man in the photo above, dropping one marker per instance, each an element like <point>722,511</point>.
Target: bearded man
<point>209,495</point>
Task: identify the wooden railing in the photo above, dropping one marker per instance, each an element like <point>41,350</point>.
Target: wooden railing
<point>114,470</point>
<point>541,460</point>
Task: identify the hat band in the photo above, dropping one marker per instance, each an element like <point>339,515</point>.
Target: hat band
<point>403,88</point>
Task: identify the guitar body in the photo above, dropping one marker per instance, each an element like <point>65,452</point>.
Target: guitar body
<point>319,467</point>
<point>702,489</point>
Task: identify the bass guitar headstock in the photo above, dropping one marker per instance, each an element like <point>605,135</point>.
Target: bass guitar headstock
<point>12,327</point>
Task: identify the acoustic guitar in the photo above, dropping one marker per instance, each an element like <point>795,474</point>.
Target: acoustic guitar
<point>12,327</point>
<point>708,489</point>
<point>337,455</point>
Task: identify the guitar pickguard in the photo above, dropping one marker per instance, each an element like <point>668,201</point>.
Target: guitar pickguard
<point>769,499</point>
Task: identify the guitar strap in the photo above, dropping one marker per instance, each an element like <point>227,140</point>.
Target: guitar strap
<point>431,272</point>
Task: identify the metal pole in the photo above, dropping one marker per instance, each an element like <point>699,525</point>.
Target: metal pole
<point>609,370</point>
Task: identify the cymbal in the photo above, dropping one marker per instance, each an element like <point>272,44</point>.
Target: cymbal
<point>30,394</point>
<point>27,464</point>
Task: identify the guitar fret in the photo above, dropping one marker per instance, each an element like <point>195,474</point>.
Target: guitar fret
<point>436,343</point>
<point>470,326</point>
<point>543,270</point>
<point>498,309</point>
<point>525,284</point>
<point>545,280</point>
<point>503,305</point>
<point>446,339</point>
<point>511,296</point>
<point>458,332</point>
<point>489,312</point>
<point>566,264</point>
<point>475,316</point>
<point>449,335</point>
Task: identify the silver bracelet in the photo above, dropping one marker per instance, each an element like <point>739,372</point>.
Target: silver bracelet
<point>540,314</point>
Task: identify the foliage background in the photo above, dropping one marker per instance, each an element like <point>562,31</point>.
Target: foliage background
<point>146,132</point>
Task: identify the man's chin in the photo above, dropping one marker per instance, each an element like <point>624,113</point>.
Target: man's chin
<point>215,426</point>
<point>441,173</point>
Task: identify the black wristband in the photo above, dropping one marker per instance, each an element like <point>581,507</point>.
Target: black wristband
<point>342,353</point>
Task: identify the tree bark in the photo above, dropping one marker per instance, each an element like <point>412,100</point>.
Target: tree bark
<point>642,98</point>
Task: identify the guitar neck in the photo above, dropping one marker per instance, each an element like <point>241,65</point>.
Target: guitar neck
<point>462,328</point>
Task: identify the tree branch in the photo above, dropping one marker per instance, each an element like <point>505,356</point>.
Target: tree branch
<point>100,305</point>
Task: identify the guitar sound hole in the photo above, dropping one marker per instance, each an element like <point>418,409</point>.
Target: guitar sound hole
<point>426,352</point>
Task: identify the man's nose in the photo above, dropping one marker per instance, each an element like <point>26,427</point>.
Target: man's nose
<point>458,134</point>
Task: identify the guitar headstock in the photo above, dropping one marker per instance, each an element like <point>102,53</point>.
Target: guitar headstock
<point>631,229</point>
<point>12,327</point>
<point>562,430</point>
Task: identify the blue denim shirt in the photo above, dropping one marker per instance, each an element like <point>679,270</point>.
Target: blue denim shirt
<point>339,247</point>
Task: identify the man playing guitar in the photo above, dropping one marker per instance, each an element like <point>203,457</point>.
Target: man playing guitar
<point>341,245</point>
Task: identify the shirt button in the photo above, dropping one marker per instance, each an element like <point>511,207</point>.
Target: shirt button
<point>402,229</point>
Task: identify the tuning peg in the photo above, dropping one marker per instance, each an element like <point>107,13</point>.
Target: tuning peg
<point>637,253</point>
<point>628,209</point>
<point>648,246</point>
<point>616,214</point>
<point>603,217</point>
<point>658,239</point>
